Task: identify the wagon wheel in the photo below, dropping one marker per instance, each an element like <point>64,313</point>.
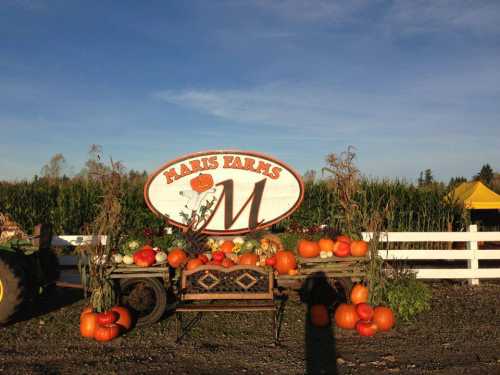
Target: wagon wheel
<point>145,297</point>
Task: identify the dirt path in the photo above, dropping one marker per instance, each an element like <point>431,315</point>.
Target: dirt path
<point>461,335</point>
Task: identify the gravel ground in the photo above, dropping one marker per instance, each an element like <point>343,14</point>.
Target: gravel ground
<point>460,335</point>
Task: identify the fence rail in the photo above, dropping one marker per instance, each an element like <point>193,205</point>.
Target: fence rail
<point>472,255</point>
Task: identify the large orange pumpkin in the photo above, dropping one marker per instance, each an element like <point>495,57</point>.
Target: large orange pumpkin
<point>85,310</point>
<point>308,249</point>
<point>227,246</point>
<point>346,316</point>
<point>319,315</point>
<point>193,264</point>
<point>248,259</point>
<point>383,317</point>
<point>359,248</point>
<point>176,257</point>
<point>106,332</point>
<point>285,261</point>
<point>326,244</point>
<point>88,324</point>
<point>124,317</point>
<point>359,294</point>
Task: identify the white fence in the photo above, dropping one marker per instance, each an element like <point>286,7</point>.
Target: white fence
<point>472,254</point>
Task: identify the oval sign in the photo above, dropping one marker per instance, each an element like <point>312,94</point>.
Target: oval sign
<point>243,190</point>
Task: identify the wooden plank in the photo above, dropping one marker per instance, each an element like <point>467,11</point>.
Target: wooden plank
<point>331,259</point>
<point>457,273</point>
<point>214,296</point>
<point>140,269</point>
<point>136,275</point>
<point>225,308</point>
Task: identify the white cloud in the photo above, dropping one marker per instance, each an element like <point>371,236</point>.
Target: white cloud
<point>423,16</point>
<point>311,10</point>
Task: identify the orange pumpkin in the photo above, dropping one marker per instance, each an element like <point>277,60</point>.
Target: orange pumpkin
<point>176,257</point>
<point>326,244</point>
<point>85,310</point>
<point>308,249</point>
<point>383,317</point>
<point>285,261</point>
<point>346,316</point>
<point>106,332</point>
<point>343,238</point>
<point>107,317</point>
<point>88,324</point>
<point>226,263</point>
<point>227,246</point>
<point>124,317</point>
<point>359,248</point>
<point>194,263</point>
<point>202,183</point>
<point>319,315</point>
<point>248,259</point>
<point>359,294</point>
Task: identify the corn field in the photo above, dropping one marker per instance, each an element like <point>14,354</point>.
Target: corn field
<point>70,204</point>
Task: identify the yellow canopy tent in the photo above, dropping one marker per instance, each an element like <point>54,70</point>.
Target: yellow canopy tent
<point>475,195</point>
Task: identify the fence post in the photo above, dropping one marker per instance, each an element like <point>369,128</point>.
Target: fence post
<point>473,263</point>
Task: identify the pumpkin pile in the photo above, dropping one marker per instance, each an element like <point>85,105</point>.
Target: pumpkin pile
<point>362,317</point>
<point>145,256</point>
<point>267,252</point>
<point>105,326</point>
<point>341,246</point>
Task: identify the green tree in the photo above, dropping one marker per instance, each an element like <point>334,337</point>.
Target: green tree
<point>54,169</point>
<point>485,175</point>
<point>455,181</point>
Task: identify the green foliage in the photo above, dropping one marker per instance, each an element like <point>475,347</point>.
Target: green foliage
<point>70,204</point>
<point>406,295</point>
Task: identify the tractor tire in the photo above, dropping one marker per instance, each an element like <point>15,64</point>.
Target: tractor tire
<point>145,297</point>
<point>13,285</point>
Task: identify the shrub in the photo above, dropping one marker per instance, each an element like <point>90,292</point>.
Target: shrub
<point>406,295</point>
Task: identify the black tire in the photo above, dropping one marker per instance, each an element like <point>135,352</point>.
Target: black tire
<point>13,285</point>
<point>146,298</point>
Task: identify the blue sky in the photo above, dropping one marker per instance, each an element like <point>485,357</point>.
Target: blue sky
<point>412,84</point>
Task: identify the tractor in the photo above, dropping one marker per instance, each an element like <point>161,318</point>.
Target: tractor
<point>27,270</point>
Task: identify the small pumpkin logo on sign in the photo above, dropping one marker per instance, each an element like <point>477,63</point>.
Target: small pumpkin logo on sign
<point>246,190</point>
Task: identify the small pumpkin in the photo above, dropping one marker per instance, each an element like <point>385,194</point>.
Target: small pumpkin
<point>176,257</point>
<point>383,317</point>
<point>346,316</point>
<point>365,311</point>
<point>285,261</point>
<point>341,249</point>
<point>326,244</point>
<point>248,259</point>
<point>227,246</point>
<point>366,328</point>
<point>193,264</point>
<point>106,332</point>
<point>202,182</point>
<point>124,317</point>
<point>226,263</point>
<point>319,315</point>
<point>107,317</point>
<point>88,324</point>
<point>359,294</point>
<point>308,249</point>
<point>359,248</point>
<point>343,238</point>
